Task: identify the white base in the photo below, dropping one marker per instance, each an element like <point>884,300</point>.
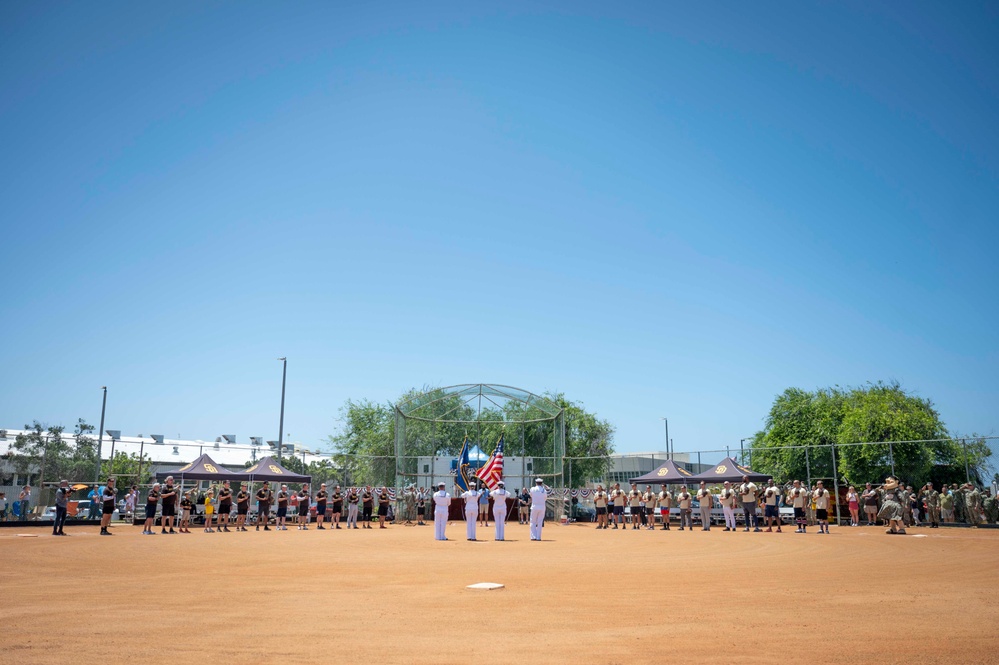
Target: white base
<point>487,586</point>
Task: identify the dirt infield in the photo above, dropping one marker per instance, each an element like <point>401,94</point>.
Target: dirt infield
<point>579,596</point>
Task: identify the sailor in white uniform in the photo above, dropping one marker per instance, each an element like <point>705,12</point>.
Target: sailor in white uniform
<point>538,497</point>
<point>441,502</point>
<point>471,497</point>
<point>500,496</point>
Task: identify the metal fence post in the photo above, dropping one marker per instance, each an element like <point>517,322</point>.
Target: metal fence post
<point>891,456</point>
<point>967,469</point>
<point>835,481</point>
<point>808,468</point>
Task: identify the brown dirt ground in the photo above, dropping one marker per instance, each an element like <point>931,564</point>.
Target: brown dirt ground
<point>579,596</point>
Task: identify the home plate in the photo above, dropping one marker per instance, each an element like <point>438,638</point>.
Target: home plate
<point>27,535</point>
<point>919,535</point>
<point>488,586</point>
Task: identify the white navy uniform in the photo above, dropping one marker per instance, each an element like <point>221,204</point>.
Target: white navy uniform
<point>538,497</point>
<point>441,502</point>
<point>471,498</point>
<point>499,510</point>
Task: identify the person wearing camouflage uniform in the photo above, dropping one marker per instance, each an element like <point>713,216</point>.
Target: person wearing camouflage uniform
<point>891,508</point>
<point>960,511</point>
<point>973,504</point>
<point>932,498</point>
<point>991,509</point>
<point>902,496</point>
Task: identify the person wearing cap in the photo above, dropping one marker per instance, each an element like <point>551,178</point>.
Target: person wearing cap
<point>408,503</point>
<point>747,493</point>
<point>799,497</point>
<point>683,502</point>
<point>665,500</point>
<point>618,499</point>
<point>634,503</point>
<point>771,506</point>
<point>61,502</point>
<point>168,497</point>
<point>500,495</point>
<point>705,502</point>
<point>442,501</point>
<point>821,498</point>
<point>264,498</point>
<point>152,498</point>
<point>600,503</point>
<point>539,498</point>
<point>283,496</point>
<point>321,499</point>
<point>471,499</point>
<point>108,495</point>
<point>352,500</point>
<point>421,506</point>
<point>727,501</point>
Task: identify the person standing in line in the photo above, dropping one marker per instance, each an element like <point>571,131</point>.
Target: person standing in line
<point>914,506</point>
<point>649,499</point>
<point>225,506</point>
<point>634,501</point>
<point>853,501</point>
<point>665,501</point>
<point>870,499</point>
<point>947,505</point>
<point>442,501</point>
<point>61,505</point>
<point>471,499</point>
<point>242,507</point>
<point>747,494</point>
<point>771,506</point>
<point>321,499</point>
<point>352,500</point>
<point>109,495</point>
<point>483,506</point>
<point>95,502</point>
<point>169,498</point>
<point>367,504</point>
<point>408,504</point>
<point>683,501</point>
<point>209,510</point>
<point>304,496</point>
<point>152,498</point>
<point>421,507</point>
<point>186,506</point>
<point>799,498</point>
<point>705,502</point>
<point>337,499</point>
<point>523,506</point>
<point>539,498</point>
<point>282,508</point>
<point>500,495</point>
<point>383,506</point>
<point>821,498</point>
<point>618,499</point>
<point>25,502</point>
<point>264,498</point>
<point>932,498</point>
<point>600,504</point>
<point>727,501</point>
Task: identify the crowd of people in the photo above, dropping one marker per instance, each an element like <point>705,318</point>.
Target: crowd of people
<point>225,509</point>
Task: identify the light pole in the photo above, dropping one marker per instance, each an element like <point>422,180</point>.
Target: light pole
<point>284,376</point>
<point>669,455</point>
<point>100,435</point>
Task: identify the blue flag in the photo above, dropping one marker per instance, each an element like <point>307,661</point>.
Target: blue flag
<point>461,473</point>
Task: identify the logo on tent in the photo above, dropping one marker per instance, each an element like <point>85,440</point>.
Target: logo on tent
<point>721,469</point>
<point>275,468</point>
<point>662,472</point>
<point>210,468</point>
<point>252,468</point>
<point>187,467</point>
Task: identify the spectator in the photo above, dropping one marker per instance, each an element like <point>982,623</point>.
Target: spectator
<point>95,502</point>
<point>130,499</point>
<point>3,507</point>
<point>25,498</point>
<point>61,501</point>
<point>523,503</point>
<point>870,498</point>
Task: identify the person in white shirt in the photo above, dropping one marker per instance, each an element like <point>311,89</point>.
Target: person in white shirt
<point>727,501</point>
<point>799,497</point>
<point>665,500</point>
<point>600,499</point>
<point>705,502</point>
<point>618,498</point>
<point>539,495</point>
<point>771,505</point>
<point>683,501</point>
<point>500,495</point>
<point>747,493</point>
<point>635,504</point>
<point>649,499</point>
<point>442,500</point>
<point>821,498</point>
<point>471,498</point>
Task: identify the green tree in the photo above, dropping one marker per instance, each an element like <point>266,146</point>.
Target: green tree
<point>589,441</point>
<point>125,468</point>
<point>40,448</point>
<point>366,443</point>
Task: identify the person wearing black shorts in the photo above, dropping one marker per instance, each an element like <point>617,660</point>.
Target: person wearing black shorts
<point>367,502</point>
<point>108,495</point>
<point>321,499</point>
<point>282,508</point>
<point>225,506</point>
<point>169,498</point>
<point>242,507</point>
<point>421,506</point>
<point>264,498</point>
<point>303,507</point>
<point>383,504</point>
<point>152,498</point>
<point>337,506</point>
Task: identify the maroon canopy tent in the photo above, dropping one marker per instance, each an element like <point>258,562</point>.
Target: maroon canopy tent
<point>730,470</point>
<point>203,468</point>
<point>669,473</point>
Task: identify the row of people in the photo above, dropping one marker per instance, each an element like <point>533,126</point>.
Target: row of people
<point>472,498</point>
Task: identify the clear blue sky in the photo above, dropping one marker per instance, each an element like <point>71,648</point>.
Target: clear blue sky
<point>659,209</point>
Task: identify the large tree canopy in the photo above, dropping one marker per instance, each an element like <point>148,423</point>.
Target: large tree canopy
<point>826,420</point>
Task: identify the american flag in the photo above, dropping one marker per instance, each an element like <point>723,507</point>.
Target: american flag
<point>492,471</point>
